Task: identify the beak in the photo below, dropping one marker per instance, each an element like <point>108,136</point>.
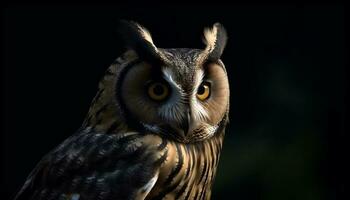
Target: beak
<point>185,125</point>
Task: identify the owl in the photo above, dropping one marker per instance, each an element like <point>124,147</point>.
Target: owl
<point>154,130</point>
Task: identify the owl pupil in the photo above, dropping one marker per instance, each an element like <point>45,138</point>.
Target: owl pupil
<point>158,90</point>
<point>201,90</point>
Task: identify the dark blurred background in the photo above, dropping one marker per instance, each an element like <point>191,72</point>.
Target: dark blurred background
<point>286,67</point>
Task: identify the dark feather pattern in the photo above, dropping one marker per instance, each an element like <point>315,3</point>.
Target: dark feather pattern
<point>93,165</point>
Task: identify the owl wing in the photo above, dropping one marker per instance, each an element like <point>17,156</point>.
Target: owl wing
<point>95,166</point>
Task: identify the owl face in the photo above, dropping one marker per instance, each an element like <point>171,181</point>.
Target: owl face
<point>178,93</point>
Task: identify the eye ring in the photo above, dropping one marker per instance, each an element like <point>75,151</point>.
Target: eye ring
<point>158,91</point>
<point>203,91</point>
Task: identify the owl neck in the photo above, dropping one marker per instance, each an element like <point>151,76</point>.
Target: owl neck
<point>189,170</point>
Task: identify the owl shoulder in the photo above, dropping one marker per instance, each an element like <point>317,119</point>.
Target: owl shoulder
<point>90,163</point>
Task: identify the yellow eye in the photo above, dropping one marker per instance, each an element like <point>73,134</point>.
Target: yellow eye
<point>158,91</point>
<point>203,91</point>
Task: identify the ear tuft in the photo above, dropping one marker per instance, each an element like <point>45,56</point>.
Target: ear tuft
<point>139,39</point>
<point>145,33</point>
<point>215,39</point>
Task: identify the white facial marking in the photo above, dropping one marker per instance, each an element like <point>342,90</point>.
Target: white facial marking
<point>168,75</point>
<point>172,110</point>
<point>198,111</point>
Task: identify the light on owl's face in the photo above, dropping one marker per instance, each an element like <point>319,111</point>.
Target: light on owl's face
<point>184,96</point>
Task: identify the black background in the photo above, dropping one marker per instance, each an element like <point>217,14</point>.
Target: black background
<point>287,74</point>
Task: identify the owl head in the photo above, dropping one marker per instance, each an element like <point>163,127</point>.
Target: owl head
<point>177,93</point>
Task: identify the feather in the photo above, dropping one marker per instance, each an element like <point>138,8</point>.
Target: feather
<point>139,39</point>
<point>215,39</point>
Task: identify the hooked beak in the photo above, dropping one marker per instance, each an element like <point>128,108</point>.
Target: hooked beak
<point>186,126</point>
<point>186,122</point>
